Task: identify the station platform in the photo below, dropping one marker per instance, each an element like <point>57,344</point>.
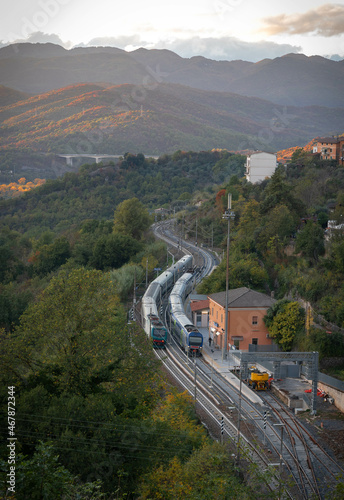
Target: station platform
<point>294,392</point>
<point>226,366</point>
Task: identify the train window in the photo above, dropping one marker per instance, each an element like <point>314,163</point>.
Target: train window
<point>195,340</point>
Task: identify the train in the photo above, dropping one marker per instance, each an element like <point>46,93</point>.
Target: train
<point>186,334</point>
<point>153,297</point>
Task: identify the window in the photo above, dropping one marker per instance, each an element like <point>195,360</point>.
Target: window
<point>221,318</point>
<point>236,343</point>
<point>217,314</point>
<point>255,341</point>
<point>254,320</point>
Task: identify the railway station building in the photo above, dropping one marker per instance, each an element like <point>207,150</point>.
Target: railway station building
<point>246,310</point>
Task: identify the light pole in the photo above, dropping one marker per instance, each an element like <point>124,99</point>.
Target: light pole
<point>227,215</point>
<point>239,418</point>
<point>280,460</point>
<point>195,380</point>
<point>212,367</point>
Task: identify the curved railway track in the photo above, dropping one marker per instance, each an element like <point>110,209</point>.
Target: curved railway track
<point>293,454</point>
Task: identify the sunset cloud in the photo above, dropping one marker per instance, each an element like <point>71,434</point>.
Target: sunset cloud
<point>327,20</point>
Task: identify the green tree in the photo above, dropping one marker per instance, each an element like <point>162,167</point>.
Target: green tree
<point>13,303</point>
<point>131,218</point>
<point>113,251</point>
<point>279,192</point>
<point>310,241</point>
<point>70,333</point>
<point>280,223</point>
<point>208,473</point>
<point>42,477</point>
<point>284,321</point>
<point>50,257</point>
<point>243,271</point>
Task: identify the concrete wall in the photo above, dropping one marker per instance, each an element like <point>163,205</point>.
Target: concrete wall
<point>337,395</point>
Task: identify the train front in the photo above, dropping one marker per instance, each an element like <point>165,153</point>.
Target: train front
<point>158,332</point>
<point>195,342</point>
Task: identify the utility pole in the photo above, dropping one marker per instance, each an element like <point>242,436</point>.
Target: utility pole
<point>280,460</point>
<point>239,419</point>
<point>195,380</point>
<point>146,273</point>
<point>134,298</point>
<point>196,231</point>
<point>227,215</point>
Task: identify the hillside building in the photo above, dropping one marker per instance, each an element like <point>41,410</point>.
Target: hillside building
<point>259,166</point>
<point>330,148</point>
<point>246,310</point>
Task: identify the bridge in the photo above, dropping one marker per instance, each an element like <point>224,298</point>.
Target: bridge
<point>97,158</point>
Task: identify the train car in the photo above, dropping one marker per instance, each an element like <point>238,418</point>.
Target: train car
<point>258,380</point>
<point>153,297</point>
<point>185,333</point>
<point>152,324</point>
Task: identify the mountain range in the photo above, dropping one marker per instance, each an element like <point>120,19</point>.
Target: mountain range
<point>106,100</point>
<point>293,79</point>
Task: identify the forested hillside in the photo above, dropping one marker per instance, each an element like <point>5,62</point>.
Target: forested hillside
<point>94,416</point>
<point>100,118</point>
<point>92,404</point>
<point>95,190</point>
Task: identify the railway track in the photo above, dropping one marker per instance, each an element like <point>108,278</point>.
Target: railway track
<point>301,468</point>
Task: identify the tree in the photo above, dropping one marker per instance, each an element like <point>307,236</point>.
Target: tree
<point>131,218</point>
<point>71,333</point>
<point>208,473</point>
<point>310,241</point>
<point>284,320</point>
<point>42,477</point>
<point>50,257</point>
<point>13,303</point>
<point>278,192</point>
<point>113,251</point>
<point>280,223</point>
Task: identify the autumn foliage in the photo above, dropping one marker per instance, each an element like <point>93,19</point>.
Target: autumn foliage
<point>17,188</point>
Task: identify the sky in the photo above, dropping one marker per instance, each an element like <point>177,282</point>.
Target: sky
<point>218,29</point>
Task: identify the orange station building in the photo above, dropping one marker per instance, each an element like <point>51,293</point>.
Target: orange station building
<point>246,310</point>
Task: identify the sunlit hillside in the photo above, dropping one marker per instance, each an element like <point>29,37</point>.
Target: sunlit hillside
<point>102,118</point>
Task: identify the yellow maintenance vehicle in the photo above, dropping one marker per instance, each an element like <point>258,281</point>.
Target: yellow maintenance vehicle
<point>258,380</point>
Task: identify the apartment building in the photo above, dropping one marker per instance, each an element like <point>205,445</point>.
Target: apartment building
<point>259,166</point>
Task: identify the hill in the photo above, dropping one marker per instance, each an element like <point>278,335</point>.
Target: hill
<point>99,118</point>
<point>294,79</point>
<point>9,96</point>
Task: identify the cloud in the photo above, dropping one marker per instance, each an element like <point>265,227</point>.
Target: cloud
<point>228,48</point>
<point>327,20</point>
<point>225,48</point>
<point>40,37</point>
<point>120,42</point>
